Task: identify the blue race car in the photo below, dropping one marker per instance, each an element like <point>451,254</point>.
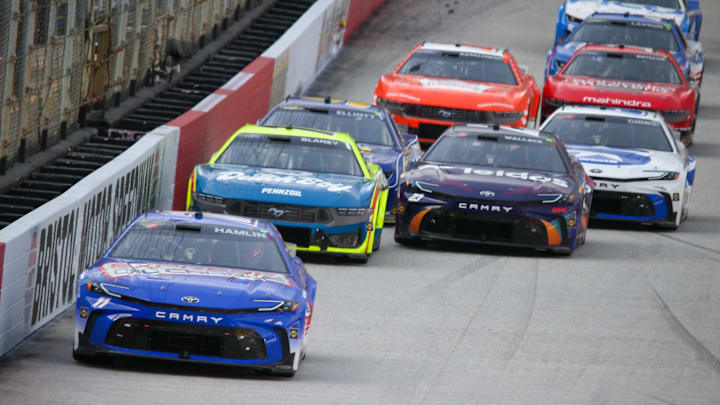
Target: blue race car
<point>496,185</point>
<point>313,185</point>
<point>685,13</point>
<point>201,288</point>
<point>630,30</point>
<point>372,128</point>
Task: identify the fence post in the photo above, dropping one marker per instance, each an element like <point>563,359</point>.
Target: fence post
<point>71,32</point>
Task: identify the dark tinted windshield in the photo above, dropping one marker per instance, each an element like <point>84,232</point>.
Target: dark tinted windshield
<point>659,3</point>
<point>365,127</point>
<point>647,35</point>
<point>624,66</point>
<point>619,132</point>
<point>294,153</point>
<point>515,152</point>
<point>206,245</point>
<point>457,65</point>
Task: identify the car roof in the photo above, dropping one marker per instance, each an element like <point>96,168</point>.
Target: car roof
<point>465,48</point>
<point>495,129</point>
<point>331,102</point>
<point>293,131</point>
<point>205,218</point>
<point>625,49</point>
<point>630,17</point>
<point>609,111</point>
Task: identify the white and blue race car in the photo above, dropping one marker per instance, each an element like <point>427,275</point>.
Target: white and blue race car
<point>685,13</point>
<point>641,172</point>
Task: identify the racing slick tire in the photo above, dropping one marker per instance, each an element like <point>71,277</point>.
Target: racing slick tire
<point>409,241</point>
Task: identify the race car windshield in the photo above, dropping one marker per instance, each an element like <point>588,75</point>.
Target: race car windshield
<point>624,66</point>
<point>657,36</point>
<point>658,3</point>
<point>457,65</point>
<point>616,132</point>
<point>203,245</point>
<point>364,127</point>
<point>292,152</point>
<point>511,152</point>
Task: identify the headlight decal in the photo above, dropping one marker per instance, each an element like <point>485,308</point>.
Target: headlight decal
<point>554,234</point>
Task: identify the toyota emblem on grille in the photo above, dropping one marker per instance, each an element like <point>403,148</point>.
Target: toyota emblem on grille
<point>445,113</point>
<point>190,300</point>
<point>487,193</point>
<point>276,212</point>
<point>596,171</point>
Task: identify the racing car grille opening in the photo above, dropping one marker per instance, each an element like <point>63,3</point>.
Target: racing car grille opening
<point>626,204</point>
<point>186,339</point>
<point>280,212</point>
<point>487,228</point>
<point>297,235</point>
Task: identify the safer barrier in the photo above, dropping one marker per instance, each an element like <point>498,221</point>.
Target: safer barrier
<point>43,253</point>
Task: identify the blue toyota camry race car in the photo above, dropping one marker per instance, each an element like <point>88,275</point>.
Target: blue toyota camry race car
<point>630,30</point>
<point>313,185</point>
<point>496,185</point>
<point>197,287</point>
<point>372,128</point>
<point>685,13</point>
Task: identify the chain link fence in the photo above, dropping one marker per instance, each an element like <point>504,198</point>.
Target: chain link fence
<point>60,58</point>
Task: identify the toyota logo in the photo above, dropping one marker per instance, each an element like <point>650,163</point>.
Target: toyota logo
<point>276,212</point>
<point>487,193</point>
<point>190,300</point>
<point>445,113</point>
<point>596,171</point>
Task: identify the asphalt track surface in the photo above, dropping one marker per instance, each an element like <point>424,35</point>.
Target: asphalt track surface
<point>631,318</point>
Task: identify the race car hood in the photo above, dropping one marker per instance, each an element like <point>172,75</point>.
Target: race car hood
<point>624,163</point>
<point>565,51</point>
<point>215,287</point>
<point>583,9</point>
<point>478,182</point>
<point>619,93</point>
<point>451,93</point>
<point>382,155</point>
<point>284,186</point>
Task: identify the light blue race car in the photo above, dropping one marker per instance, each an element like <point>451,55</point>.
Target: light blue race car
<point>685,13</point>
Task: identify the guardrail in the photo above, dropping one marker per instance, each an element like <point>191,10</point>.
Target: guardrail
<point>43,252</point>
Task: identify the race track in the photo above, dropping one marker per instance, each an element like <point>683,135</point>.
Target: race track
<point>633,317</point>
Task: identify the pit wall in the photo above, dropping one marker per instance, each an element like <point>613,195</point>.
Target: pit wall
<point>43,253</point>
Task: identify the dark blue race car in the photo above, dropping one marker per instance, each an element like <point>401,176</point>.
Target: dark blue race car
<point>496,185</point>
<point>197,287</point>
<point>685,13</point>
<point>630,30</point>
<point>371,127</point>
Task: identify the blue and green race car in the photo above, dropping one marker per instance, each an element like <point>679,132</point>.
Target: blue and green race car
<point>314,186</point>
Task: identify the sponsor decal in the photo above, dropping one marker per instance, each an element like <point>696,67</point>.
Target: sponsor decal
<point>287,179</point>
<point>416,197</point>
<point>527,139</point>
<point>121,270</point>
<point>190,299</point>
<point>294,333</point>
<point>647,123</point>
<point>454,85</point>
<point>496,104</point>
<point>607,186</point>
<point>281,191</point>
<point>320,141</point>
<point>176,316</point>
<point>485,207</point>
<point>240,232</point>
<point>518,175</point>
<point>359,114</point>
<point>610,157</point>
<point>619,84</point>
<point>617,102</point>
<point>401,95</point>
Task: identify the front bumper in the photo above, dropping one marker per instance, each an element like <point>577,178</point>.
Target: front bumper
<point>647,201</point>
<point>528,226</point>
<point>115,326</point>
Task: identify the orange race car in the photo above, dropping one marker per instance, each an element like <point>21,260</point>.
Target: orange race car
<point>439,85</point>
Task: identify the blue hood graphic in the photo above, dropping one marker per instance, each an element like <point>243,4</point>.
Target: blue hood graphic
<point>515,185</point>
<point>284,186</point>
<point>167,283</point>
<point>604,155</point>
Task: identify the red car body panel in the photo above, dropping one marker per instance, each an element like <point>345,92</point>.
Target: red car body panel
<point>654,96</point>
<point>456,97</point>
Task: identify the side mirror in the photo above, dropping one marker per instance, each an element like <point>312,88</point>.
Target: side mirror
<point>291,249</point>
<point>409,138</point>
